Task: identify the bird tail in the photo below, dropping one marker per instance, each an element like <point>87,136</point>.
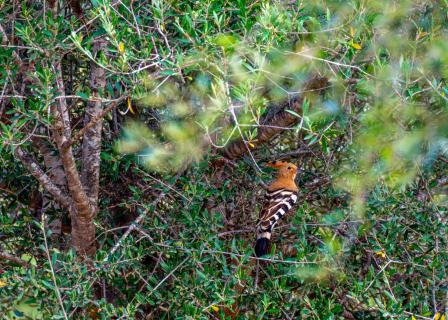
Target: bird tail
<point>263,242</point>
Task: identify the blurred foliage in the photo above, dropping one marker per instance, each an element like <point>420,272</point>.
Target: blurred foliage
<point>368,241</point>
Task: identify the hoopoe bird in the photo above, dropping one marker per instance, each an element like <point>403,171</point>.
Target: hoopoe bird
<point>281,195</point>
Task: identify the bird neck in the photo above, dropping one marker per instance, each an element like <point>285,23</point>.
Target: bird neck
<point>283,183</point>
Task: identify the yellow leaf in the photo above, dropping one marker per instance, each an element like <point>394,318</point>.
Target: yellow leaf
<point>356,46</point>
<point>121,47</point>
<point>437,316</point>
<point>352,32</point>
<point>381,253</point>
<point>215,308</point>
<point>442,317</point>
<point>3,283</point>
<point>130,106</point>
<point>251,144</point>
<point>413,318</point>
<point>421,35</point>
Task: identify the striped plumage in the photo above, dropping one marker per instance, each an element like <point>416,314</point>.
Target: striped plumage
<point>279,199</point>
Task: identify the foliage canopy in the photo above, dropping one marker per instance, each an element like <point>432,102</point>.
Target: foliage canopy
<point>181,81</point>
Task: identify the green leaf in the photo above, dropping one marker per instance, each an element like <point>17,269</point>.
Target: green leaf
<point>293,113</point>
<point>83,95</point>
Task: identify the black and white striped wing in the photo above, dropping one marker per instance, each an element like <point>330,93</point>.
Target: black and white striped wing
<point>277,204</point>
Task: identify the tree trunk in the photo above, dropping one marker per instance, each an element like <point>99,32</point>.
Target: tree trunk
<point>56,173</point>
<point>74,188</point>
<point>83,211</point>
<point>91,144</point>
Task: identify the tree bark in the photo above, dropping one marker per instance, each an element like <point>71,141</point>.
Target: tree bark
<point>56,173</point>
<point>82,212</point>
<point>74,189</point>
<point>52,162</point>
<point>91,144</point>
<point>34,168</point>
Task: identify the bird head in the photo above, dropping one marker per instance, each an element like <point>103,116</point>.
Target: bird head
<point>285,169</point>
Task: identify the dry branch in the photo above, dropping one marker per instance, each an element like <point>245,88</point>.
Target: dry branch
<point>277,119</point>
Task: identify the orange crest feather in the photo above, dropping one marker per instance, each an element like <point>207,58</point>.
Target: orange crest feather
<point>277,164</point>
<point>286,173</point>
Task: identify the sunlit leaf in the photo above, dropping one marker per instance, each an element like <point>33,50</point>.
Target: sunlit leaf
<point>356,46</point>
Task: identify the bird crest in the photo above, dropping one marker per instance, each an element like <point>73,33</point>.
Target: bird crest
<point>286,171</point>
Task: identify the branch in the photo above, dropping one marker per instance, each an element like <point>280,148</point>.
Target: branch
<point>52,161</point>
<point>134,225</point>
<point>5,42</point>
<point>5,189</point>
<point>91,144</point>
<point>92,122</point>
<point>9,257</point>
<point>50,262</point>
<point>83,210</point>
<point>60,109</point>
<point>62,133</point>
<point>277,119</point>
<point>34,168</point>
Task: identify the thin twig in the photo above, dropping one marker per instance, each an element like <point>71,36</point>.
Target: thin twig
<point>333,63</point>
<point>56,288</point>
<point>235,119</point>
<point>93,121</point>
<point>131,228</point>
<point>226,233</point>
<point>257,269</point>
<point>417,316</point>
<point>5,44</point>
<point>167,276</point>
<point>165,184</point>
<point>237,255</point>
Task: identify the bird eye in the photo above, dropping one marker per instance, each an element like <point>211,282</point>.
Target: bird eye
<point>289,168</point>
<point>273,162</point>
